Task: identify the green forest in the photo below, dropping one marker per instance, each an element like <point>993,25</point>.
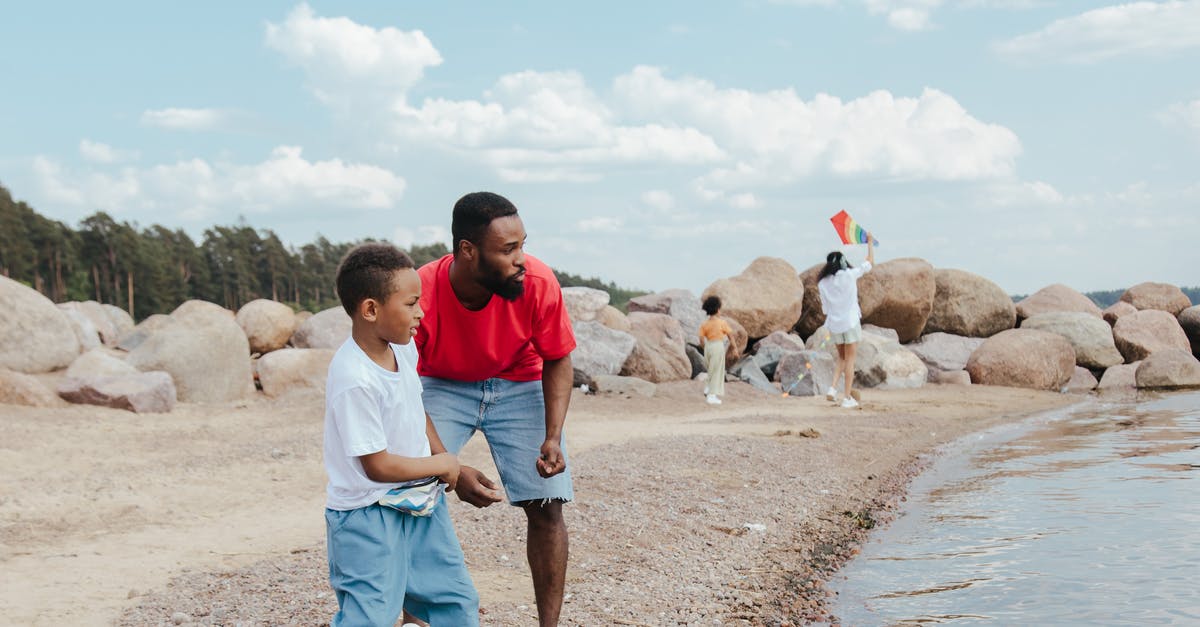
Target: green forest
<point>154,269</point>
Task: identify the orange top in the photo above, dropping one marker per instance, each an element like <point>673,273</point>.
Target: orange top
<point>715,329</point>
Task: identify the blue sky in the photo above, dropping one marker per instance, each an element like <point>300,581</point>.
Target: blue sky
<point>658,145</point>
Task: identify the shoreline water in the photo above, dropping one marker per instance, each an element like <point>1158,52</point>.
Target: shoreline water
<point>1008,527</point>
<point>688,514</point>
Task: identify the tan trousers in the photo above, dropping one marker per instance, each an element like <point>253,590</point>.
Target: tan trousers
<point>714,360</point>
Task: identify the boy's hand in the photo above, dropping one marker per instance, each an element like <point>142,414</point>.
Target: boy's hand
<point>551,461</point>
<point>475,488</point>
<point>450,475</point>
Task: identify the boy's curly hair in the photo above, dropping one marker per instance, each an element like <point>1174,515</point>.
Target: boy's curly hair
<point>366,272</point>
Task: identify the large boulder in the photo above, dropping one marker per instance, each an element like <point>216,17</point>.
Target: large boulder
<point>738,342</point>
<point>806,373</point>
<point>1119,379</point>
<point>613,318</point>
<point>879,361</point>
<point>268,324</point>
<point>944,352</point>
<point>583,303</point>
<point>1090,336</point>
<point>35,336</point>
<point>1083,381</point>
<point>1023,358</point>
<point>767,296</point>
<point>898,294</point>
<point>205,352</point>
<point>1169,369</point>
<point>746,370</point>
<point>327,329</point>
<point>969,305</point>
<point>120,319</point>
<point>681,305</point>
<point>1160,296</point>
<point>290,369</point>
<point>99,362</point>
<point>599,349</point>
<point>786,341</point>
<point>141,392</point>
<point>658,355</point>
<point>202,308</point>
<point>1115,311</point>
<point>616,385</point>
<point>812,316</point>
<point>1057,297</point>
<point>18,388</point>
<point>134,337</point>
<point>102,319</point>
<point>1141,334</point>
<point>81,324</point>
<point>1189,321</point>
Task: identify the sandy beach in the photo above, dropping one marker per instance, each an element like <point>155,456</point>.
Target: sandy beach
<point>685,513</point>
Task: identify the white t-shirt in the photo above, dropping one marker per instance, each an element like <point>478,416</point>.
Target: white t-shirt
<point>369,409</point>
<point>839,298</point>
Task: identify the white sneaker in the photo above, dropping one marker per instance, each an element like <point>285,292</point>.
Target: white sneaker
<point>712,399</point>
<point>849,403</point>
<point>831,395</point>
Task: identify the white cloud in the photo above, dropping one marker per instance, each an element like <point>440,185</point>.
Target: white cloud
<point>600,224</point>
<point>1139,28</point>
<point>98,152</point>
<point>659,199</point>
<point>405,237</point>
<point>778,138</point>
<point>198,189</point>
<point>1184,113</point>
<point>185,119</point>
<point>914,15</point>
<point>349,64</point>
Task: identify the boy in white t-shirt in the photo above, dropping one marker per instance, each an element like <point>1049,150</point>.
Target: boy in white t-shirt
<point>385,559</point>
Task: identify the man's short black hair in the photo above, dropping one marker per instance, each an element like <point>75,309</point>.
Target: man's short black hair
<point>366,272</point>
<point>474,212</point>
<point>711,305</point>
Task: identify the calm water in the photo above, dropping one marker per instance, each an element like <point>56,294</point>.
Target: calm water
<point>1090,517</point>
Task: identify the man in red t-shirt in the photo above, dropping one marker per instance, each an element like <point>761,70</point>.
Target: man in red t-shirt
<point>495,356</point>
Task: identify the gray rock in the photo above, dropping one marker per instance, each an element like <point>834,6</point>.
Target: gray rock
<point>18,388</point>
<point>583,303</point>
<point>624,386</point>
<point>787,341</point>
<point>766,297</point>
<point>120,319</point>
<point>290,369</point>
<point>99,362</point>
<point>143,392</point>
<point>204,351</point>
<point>746,370</point>
<point>1023,358</point>
<point>1091,337</point>
<point>134,337</point>
<point>1170,369</point>
<point>35,336</point>
<point>697,359</point>
<point>1148,331</point>
<point>806,373</point>
<point>599,349</point>
<point>944,352</point>
<point>268,324</point>
<point>879,361</point>
<point>680,304</point>
<point>81,324</point>
<point>658,355</point>
<point>327,329</point>
<point>1189,321</point>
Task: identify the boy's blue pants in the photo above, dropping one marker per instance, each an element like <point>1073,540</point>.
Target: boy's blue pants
<point>382,561</point>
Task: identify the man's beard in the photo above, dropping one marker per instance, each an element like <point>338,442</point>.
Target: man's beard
<point>507,288</point>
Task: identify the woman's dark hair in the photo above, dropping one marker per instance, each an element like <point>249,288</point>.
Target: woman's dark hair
<point>834,261</point>
<point>366,272</point>
<point>711,305</point>
<point>473,214</point>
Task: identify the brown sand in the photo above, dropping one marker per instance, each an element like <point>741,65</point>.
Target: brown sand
<point>685,513</point>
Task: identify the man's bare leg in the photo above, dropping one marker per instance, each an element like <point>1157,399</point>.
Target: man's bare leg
<point>546,549</point>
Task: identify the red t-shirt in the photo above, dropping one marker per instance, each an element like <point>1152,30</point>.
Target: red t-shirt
<point>505,339</point>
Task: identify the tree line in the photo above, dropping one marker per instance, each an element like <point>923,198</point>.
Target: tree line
<point>154,269</point>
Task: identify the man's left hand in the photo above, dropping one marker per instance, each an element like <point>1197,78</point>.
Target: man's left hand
<point>551,461</point>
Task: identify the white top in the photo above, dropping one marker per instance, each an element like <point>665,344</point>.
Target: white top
<point>369,409</point>
<point>839,298</point>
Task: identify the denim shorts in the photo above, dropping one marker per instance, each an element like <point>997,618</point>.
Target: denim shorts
<point>382,560</point>
<point>512,417</point>
<point>849,337</point>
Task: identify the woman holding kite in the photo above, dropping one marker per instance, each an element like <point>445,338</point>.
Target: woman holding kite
<point>837,284</point>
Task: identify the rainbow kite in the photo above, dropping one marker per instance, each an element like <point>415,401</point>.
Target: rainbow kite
<point>849,230</point>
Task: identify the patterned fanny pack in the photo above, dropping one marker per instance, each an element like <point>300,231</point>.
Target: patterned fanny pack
<point>418,499</point>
